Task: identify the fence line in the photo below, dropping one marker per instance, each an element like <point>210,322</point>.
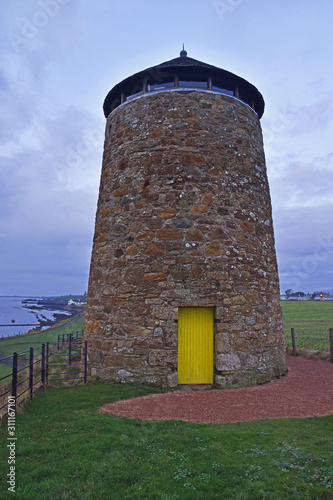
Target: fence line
<point>65,338</point>
<point>308,342</point>
<point>32,370</point>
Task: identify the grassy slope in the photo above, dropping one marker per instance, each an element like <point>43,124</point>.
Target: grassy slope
<point>311,321</point>
<point>20,343</point>
<point>23,342</point>
<point>66,449</point>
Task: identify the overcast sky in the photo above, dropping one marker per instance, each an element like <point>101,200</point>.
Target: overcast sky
<point>59,59</point>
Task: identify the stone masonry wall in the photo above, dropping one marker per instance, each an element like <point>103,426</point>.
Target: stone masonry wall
<point>184,219</point>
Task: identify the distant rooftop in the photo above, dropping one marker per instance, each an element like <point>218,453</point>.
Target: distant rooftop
<point>184,72</point>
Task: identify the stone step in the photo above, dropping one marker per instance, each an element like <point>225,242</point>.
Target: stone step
<point>195,387</point>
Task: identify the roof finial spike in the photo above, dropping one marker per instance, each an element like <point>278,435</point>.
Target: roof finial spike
<point>183,52</point>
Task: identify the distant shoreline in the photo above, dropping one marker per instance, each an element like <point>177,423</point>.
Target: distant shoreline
<point>47,304</point>
<point>55,324</point>
<point>46,313</point>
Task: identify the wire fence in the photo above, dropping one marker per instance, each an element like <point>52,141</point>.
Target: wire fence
<point>302,340</point>
<point>39,367</point>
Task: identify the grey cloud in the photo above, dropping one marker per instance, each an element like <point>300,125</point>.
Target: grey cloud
<point>304,244</point>
<point>315,116</point>
<point>302,184</point>
<point>48,218</point>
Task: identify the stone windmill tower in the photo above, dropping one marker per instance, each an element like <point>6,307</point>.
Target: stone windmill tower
<point>183,284</point>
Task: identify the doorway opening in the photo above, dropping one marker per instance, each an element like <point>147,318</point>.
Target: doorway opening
<point>195,345</point>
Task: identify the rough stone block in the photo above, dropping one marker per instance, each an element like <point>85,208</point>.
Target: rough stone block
<point>168,234</point>
<point>227,362</point>
<point>168,213</point>
<point>124,374</point>
<point>199,209</point>
<point>172,379</point>
<point>122,191</point>
<point>194,235</point>
<point>182,223</point>
<point>155,276</point>
<point>162,358</point>
<point>213,249</point>
<point>132,250</point>
<point>155,249</point>
<point>158,332</point>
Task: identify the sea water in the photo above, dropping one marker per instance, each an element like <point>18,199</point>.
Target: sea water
<point>14,314</point>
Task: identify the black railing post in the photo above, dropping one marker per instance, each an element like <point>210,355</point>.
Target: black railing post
<point>31,372</point>
<point>14,377</point>
<point>47,362</point>
<point>43,364</point>
<point>70,349</point>
<point>85,360</point>
<point>294,342</point>
<point>331,343</point>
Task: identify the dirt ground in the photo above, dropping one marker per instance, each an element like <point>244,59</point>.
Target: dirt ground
<point>306,391</point>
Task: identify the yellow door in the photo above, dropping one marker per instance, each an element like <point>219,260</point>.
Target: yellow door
<point>195,345</point>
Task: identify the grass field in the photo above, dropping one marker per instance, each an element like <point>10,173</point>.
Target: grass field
<point>66,449</point>
<point>311,321</point>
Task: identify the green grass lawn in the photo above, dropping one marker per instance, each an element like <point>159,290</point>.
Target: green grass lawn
<point>311,321</point>
<point>4,370</point>
<point>66,449</point>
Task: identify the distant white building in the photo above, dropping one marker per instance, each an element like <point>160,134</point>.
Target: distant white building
<point>72,302</point>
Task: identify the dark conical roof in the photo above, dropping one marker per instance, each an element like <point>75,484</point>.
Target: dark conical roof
<point>184,61</point>
<point>186,66</point>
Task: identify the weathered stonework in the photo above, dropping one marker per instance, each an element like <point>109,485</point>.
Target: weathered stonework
<point>183,220</point>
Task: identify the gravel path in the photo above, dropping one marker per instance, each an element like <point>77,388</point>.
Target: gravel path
<point>306,391</point>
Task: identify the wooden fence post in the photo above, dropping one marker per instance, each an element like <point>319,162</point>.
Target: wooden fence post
<point>31,372</point>
<point>331,343</point>
<point>294,353</point>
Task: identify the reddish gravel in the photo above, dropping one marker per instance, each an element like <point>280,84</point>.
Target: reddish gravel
<point>306,391</point>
